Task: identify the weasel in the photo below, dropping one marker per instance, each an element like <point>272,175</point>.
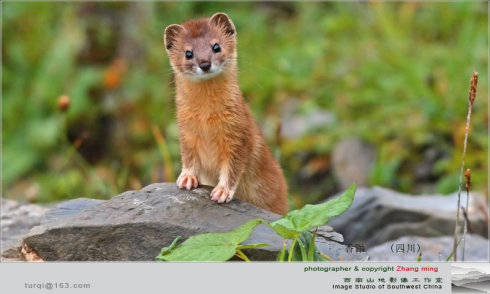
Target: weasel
<point>220,143</point>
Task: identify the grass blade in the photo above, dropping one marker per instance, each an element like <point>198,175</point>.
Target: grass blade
<point>303,250</point>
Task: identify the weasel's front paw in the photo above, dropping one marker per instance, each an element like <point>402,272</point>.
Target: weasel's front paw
<point>187,181</point>
<point>221,194</point>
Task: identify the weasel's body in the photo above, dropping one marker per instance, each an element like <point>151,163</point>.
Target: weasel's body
<point>221,145</point>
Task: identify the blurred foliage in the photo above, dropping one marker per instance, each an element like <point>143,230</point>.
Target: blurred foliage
<point>394,74</point>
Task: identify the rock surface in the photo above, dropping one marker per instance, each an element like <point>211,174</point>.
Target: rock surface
<point>469,279</point>
<point>296,124</point>
<point>378,215</point>
<point>137,224</point>
<point>352,162</point>
<point>68,208</point>
<point>16,221</point>
<point>432,249</point>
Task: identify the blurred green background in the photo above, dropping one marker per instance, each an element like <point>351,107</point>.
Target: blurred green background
<point>394,75</point>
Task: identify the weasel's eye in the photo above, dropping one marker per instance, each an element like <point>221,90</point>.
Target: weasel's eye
<point>216,48</point>
<point>189,54</point>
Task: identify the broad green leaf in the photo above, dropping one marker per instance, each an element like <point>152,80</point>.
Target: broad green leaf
<point>310,216</point>
<point>212,246</point>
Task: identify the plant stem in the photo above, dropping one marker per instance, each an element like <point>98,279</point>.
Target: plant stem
<point>242,255</point>
<point>465,229</point>
<point>283,252</point>
<point>291,249</point>
<point>311,249</point>
<point>452,253</point>
<point>471,99</point>
<point>456,227</point>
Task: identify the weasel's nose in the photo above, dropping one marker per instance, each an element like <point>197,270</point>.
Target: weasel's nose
<point>205,66</point>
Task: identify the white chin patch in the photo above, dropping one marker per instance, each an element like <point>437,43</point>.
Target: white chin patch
<point>200,75</point>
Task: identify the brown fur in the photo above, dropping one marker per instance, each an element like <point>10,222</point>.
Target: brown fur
<point>221,145</point>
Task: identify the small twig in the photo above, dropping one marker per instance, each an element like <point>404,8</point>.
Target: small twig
<point>467,219</point>
<point>471,99</point>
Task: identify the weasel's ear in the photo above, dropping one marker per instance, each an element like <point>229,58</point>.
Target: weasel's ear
<point>222,20</point>
<point>171,33</point>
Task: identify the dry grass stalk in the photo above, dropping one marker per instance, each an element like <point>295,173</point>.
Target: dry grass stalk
<point>471,99</point>
<point>466,226</point>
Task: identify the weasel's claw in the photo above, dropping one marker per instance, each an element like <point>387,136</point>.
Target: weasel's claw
<point>187,181</point>
<point>221,195</point>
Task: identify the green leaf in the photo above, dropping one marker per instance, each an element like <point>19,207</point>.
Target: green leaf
<point>302,248</point>
<point>212,246</point>
<point>310,216</point>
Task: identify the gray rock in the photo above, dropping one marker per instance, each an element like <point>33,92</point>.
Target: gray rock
<point>296,124</point>
<point>68,208</point>
<point>378,215</point>
<point>423,171</point>
<point>352,162</point>
<point>470,278</point>
<point>137,224</point>
<point>432,249</point>
<point>16,221</point>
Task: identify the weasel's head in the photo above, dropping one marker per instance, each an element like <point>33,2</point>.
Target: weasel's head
<point>201,49</point>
